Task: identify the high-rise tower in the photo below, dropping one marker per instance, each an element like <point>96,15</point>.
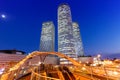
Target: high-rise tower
<point>47,37</point>
<point>65,32</point>
<point>78,41</point>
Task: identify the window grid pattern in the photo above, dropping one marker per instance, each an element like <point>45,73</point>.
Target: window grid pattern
<point>47,37</point>
<point>78,41</point>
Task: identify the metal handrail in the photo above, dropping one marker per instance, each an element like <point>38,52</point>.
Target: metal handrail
<point>34,73</point>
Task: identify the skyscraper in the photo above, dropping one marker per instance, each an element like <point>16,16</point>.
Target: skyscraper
<point>65,32</point>
<point>78,41</point>
<point>47,37</point>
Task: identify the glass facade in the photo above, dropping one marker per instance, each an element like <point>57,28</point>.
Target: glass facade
<point>65,32</point>
<point>47,37</point>
<point>78,41</point>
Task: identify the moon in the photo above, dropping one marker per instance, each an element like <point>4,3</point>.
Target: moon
<point>3,16</point>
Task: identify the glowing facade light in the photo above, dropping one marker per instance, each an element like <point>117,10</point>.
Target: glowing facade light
<point>15,74</point>
<point>115,73</point>
<point>2,70</point>
<point>83,68</point>
<point>39,62</point>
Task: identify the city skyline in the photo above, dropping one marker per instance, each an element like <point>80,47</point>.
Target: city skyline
<point>99,23</point>
<point>69,39</point>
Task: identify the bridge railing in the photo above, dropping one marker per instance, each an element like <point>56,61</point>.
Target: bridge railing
<point>36,76</point>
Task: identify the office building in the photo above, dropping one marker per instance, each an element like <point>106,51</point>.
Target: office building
<point>47,37</point>
<point>78,41</point>
<point>65,33</point>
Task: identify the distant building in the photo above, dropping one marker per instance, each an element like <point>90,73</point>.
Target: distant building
<point>11,52</point>
<point>78,41</point>
<point>65,33</point>
<point>10,57</point>
<point>85,59</point>
<point>47,37</point>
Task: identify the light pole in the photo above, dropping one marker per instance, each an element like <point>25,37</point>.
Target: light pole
<point>98,58</point>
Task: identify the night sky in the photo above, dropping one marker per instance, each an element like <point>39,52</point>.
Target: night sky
<point>99,22</point>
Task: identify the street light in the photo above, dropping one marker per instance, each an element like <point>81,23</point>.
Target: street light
<point>98,56</point>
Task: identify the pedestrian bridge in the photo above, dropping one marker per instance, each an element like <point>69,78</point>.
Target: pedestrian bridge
<point>12,72</point>
<point>49,72</point>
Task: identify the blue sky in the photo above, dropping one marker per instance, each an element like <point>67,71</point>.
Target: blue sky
<point>99,22</point>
